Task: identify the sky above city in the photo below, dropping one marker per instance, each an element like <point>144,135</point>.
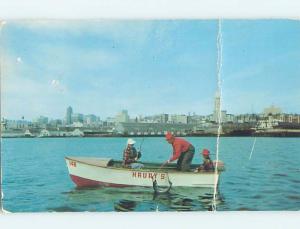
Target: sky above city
<point>147,67</point>
<point>261,65</point>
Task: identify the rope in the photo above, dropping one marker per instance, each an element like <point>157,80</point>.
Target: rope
<point>252,148</point>
<point>219,67</point>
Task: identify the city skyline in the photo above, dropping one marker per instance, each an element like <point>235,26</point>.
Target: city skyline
<point>147,67</point>
<point>80,125</point>
<point>68,117</point>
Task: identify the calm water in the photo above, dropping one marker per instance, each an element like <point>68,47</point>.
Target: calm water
<point>35,177</point>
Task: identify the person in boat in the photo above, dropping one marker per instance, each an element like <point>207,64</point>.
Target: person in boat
<point>183,152</point>
<point>130,154</point>
<point>207,164</point>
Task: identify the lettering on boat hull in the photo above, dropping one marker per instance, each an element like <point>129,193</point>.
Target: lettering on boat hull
<point>148,175</point>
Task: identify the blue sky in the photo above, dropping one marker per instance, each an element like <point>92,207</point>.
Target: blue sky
<point>147,67</point>
<point>261,65</point>
<point>101,67</point>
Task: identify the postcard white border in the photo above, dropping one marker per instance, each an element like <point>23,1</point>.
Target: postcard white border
<point>205,9</point>
<point>147,9</point>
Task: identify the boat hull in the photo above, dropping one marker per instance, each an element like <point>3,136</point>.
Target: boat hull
<point>84,173</point>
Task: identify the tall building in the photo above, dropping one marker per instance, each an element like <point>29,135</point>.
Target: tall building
<point>90,119</point>
<point>55,122</point>
<point>217,107</point>
<point>77,118</point>
<point>272,110</point>
<point>42,120</point>
<point>69,115</point>
<point>122,116</point>
<point>218,111</point>
<point>164,118</point>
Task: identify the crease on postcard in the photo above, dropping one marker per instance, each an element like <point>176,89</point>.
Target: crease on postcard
<point>219,106</point>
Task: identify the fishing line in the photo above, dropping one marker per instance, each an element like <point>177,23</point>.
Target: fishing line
<point>140,148</point>
<point>252,148</point>
<point>219,91</point>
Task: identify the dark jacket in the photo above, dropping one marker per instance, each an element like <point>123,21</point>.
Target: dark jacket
<point>129,155</point>
<point>208,164</point>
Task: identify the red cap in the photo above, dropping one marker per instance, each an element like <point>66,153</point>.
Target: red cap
<point>205,152</point>
<point>169,136</point>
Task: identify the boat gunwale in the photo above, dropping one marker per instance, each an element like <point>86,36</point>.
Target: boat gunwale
<point>145,170</point>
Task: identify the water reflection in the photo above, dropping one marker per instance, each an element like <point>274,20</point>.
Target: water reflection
<point>125,205</point>
<point>142,199</point>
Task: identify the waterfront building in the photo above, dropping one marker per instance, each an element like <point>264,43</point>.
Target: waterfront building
<point>77,124</point>
<point>210,118</point>
<point>164,118</point>
<point>223,116</point>
<point>41,120</point>
<point>151,119</point>
<point>296,118</point>
<point>57,133</point>
<point>109,121</point>
<point>44,133</point>
<point>77,133</point>
<point>196,119</point>
<point>55,122</point>
<point>160,118</point>
<point>152,128</point>
<point>3,124</point>
<point>247,118</point>
<point>230,118</point>
<point>15,124</point>
<point>288,118</point>
<point>69,114</point>
<point>266,124</point>
<point>178,119</point>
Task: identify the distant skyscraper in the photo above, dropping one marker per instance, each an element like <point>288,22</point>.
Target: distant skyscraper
<point>122,116</point>
<point>69,116</point>
<point>77,118</point>
<point>42,120</point>
<point>217,107</point>
<point>90,119</point>
<point>164,118</point>
<point>272,110</point>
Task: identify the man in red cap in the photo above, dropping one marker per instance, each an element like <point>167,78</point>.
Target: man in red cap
<point>183,152</point>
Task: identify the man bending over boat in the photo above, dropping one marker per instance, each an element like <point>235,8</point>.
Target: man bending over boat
<point>183,152</point>
<point>130,154</point>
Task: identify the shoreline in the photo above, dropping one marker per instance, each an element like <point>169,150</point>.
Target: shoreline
<point>260,135</point>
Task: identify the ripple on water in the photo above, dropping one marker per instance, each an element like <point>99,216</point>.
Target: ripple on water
<point>295,181</point>
<point>127,205</point>
<point>257,197</point>
<point>280,175</point>
<point>40,185</point>
<point>293,197</point>
<point>63,209</point>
